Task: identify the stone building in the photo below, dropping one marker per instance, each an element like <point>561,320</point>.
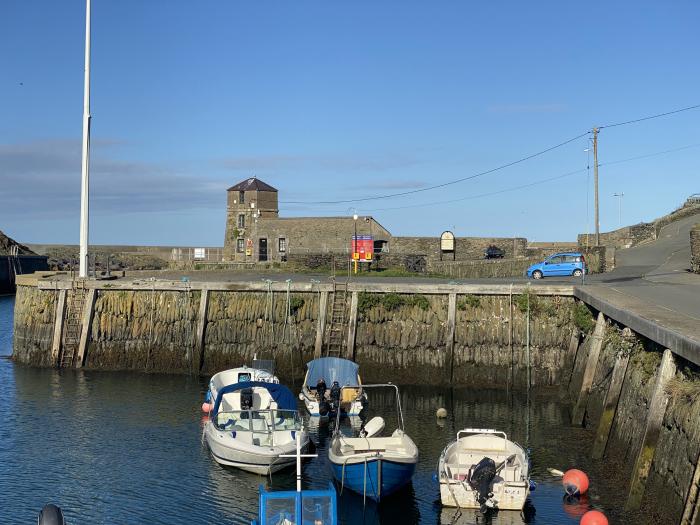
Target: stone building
<point>255,232</point>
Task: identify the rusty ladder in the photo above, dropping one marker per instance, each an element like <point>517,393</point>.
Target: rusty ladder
<point>73,324</point>
<point>337,332</point>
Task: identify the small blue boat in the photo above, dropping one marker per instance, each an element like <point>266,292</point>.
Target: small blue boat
<point>370,464</point>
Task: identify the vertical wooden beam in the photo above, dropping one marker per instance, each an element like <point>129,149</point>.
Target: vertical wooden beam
<point>86,326</point>
<point>450,342</point>
<point>202,325</point>
<point>610,405</point>
<point>58,326</point>
<point>321,326</point>
<point>589,371</point>
<point>655,416</point>
<point>691,512</point>
<point>352,327</point>
<point>571,354</point>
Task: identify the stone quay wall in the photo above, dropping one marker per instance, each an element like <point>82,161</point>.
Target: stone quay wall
<point>695,248</point>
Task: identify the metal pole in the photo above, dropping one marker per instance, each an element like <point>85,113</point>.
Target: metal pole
<point>595,184</point>
<point>85,175</point>
<point>619,207</point>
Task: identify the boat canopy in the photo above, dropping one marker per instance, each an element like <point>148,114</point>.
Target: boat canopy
<point>280,394</point>
<point>333,369</point>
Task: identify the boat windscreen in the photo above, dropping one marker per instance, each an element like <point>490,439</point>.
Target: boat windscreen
<point>332,369</point>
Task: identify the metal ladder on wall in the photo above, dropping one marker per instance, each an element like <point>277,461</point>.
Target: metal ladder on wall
<point>336,337</point>
<point>73,324</point>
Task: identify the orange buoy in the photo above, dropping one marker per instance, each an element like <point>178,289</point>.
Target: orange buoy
<point>594,517</point>
<point>575,482</point>
<point>207,407</point>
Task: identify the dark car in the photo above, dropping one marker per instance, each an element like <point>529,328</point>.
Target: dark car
<point>494,252</point>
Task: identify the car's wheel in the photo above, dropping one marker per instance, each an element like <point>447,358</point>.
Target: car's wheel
<point>537,274</point>
<point>577,272</point>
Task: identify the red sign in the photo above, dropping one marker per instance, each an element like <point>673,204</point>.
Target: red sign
<point>362,248</point>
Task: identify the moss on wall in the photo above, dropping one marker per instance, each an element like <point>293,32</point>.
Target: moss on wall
<point>35,311</point>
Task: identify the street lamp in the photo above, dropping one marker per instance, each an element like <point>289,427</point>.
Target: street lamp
<point>619,208</point>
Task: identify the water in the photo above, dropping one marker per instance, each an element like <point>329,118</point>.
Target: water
<point>123,448</point>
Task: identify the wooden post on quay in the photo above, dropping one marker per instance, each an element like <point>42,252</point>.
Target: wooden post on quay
<point>589,371</point>
<point>571,355</point>
<point>450,343</point>
<point>58,326</point>
<point>202,325</point>
<point>86,325</point>
<point>321,326</point>
<point>691,512</point>
<point>352,328</point>
<point>655,416</point>
<point>610,404</point>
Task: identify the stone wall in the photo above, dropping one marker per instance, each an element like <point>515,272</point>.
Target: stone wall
<point>35,311</point>
<point>482,269</point>
<point>695,248</point>
<point>466,248</point>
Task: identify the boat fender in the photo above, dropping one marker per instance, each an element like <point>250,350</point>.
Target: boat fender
<point>533,486</point>
<point>435,477</point>
<point>373,427</point>
<point>207,407</point>
<point>51,515</point>
<point>207,397</point>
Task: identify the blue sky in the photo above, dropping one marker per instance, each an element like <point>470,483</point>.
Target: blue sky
<point>343,100</point>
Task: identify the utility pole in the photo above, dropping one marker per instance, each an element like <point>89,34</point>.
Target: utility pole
<point>85,175</point>
<point>595,184</point>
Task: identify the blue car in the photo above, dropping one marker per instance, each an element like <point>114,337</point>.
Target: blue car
<point>559,265</point>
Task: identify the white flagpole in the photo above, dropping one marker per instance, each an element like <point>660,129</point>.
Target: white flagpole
<point>85,175</point>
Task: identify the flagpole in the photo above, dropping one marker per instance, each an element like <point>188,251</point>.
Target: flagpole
<point>85,172</point>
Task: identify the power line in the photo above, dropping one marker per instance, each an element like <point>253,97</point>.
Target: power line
<point>650,117</point>
<point>444,184</point>
<point>650,155</point>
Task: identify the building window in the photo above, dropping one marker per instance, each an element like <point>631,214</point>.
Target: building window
<point>282,245</point>
<point>241,197</point>
<point>240,244</point>
<point>241,221</point>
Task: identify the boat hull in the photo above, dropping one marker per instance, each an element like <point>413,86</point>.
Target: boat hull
<point>510,496</point>
<point>363,478</point>
<point>261,460</point>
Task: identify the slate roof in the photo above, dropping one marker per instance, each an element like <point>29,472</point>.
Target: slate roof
<point>252,184</point>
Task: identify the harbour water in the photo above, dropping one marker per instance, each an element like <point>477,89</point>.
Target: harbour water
<point>122,448</point>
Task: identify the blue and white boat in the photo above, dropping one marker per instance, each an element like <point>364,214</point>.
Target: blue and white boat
<point>254,426</point>
<point>333,384</point>
<point>373,465</point>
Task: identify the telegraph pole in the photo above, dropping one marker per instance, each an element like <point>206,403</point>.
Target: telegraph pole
<point>85,172</point>
<point>595,184</point>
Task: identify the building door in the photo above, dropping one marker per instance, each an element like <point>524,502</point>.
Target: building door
<point>262,250</point>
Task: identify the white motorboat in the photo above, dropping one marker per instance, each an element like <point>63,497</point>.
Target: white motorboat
<point>483,470</point>
<point>252,425</point>
<point>262,371</point>
<point>333,384</point>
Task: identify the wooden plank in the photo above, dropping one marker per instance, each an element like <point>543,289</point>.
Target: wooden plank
<point>321,326</point>
<point>58,326</point>
<point>451,322</point>
<point>571,354</point>
<point>352,327</point>
<point>655,416</point>
<point>300,287</point>
<point>86,324</point>
<point>589,371</point>
<point>691,512</point>
<point>202,325</point>
<point>610,405</point>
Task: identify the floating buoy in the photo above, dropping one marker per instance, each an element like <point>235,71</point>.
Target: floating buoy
<point>441,413</point>
<point>575,482</point>
<point>207,407</point>
<point>594,517</point>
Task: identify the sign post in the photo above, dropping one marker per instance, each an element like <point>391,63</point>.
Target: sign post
<point>362,248</point>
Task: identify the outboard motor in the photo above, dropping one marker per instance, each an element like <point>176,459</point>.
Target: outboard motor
<point>335,396</point>
<point>480,480</point>
<point>321,390</point>
<point>51,515</point>
<point>246,399</point>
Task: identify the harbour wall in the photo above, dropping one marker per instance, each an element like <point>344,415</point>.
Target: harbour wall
<point>637,402</point>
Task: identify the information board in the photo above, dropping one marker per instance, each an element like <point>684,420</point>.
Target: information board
<point>362,247</point>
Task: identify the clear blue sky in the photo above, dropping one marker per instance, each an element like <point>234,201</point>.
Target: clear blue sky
<point>333,100</point>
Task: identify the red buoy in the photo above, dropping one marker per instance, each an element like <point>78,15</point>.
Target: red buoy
<point>594,517</point>
<point>575,482</point>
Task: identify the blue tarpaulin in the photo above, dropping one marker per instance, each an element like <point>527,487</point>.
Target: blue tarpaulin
<point>280,394</point>
<point>333,369</point>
